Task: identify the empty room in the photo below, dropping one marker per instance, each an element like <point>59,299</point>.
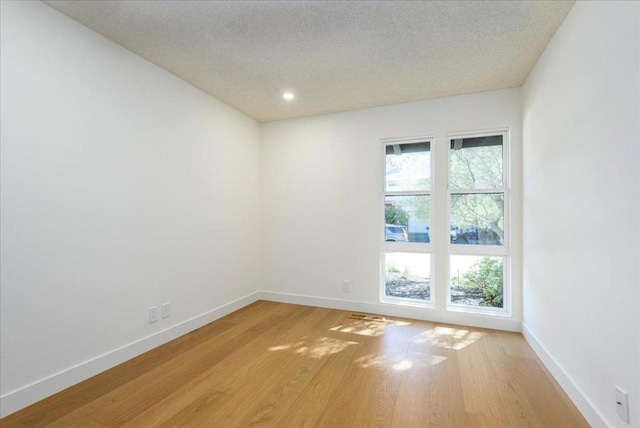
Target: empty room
<point>320,213</point>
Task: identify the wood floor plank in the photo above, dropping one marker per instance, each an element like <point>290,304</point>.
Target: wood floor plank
<point>371,377</point>
<point>514,344</point>
<point>209,381</point>
<point>186,368</point>
<point>309,358</point>
<point>237,364</point>
<point>446,396</point>
<point>253,385</point>
<point>550,407</point>
<point>47,411</point>
<point>565,398</point>
<point>480,396</point>
<point>192,415</point>
<point>412,405</point>
<point>122,404</point>
<point>308,408</point>
<point>279,365</point>
<point>85,392</point>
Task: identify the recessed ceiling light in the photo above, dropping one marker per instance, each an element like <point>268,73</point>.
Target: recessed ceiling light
<point>287,96</point>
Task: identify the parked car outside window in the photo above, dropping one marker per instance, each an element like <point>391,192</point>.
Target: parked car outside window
<point>394,232</point>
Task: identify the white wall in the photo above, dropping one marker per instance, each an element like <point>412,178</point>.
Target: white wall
<point>123,187</point>
<point>581,207</point>
<point>321,199</point>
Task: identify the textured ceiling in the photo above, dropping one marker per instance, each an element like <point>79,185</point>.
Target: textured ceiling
<point>334,56</point>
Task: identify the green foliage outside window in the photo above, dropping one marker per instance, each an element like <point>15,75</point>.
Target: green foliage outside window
<point>478,168</point>
<point>396,215</point>
<point>487,277</point>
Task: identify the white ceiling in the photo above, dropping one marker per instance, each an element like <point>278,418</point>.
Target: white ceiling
<point>334,55</point>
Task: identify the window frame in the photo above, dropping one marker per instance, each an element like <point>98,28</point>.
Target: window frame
<point>426,248</point>
<point>483,250</point>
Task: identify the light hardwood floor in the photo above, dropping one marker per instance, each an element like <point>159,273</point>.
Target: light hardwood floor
<point>274,364</point>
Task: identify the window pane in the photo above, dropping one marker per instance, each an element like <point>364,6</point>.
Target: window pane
<point>477,219</point>
<point>408,276</point>
<point>476,163</point>
<point>476,281</point>
<point>406,218</point>
<point>408,167</point>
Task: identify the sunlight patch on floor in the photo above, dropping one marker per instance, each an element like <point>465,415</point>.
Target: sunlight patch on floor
<point>370,360</point>
<point>447,337</point>
<point>362,328</point>
<point>368,328</point>
<point>436,359</point>
<point>321,348</point>
<point>398,363</point>
<point>403,365</point>
<point>279,348</point>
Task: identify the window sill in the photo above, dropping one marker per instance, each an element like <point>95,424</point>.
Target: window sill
<point>407,302</point>
<point>479,311</point>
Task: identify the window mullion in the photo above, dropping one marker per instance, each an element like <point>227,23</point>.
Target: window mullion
<point>477,191</point>
<point>409,193</point>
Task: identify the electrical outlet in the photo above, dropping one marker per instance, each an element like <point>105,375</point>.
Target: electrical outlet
<point>153,314</point>
<point>345,286</point>
<point>622,404</point>
<point>166,310</point>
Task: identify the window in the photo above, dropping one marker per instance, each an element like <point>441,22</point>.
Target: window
<point>477,201</point>
<point>407,211</point>
<point>448,234</point>
<point>407,277</point>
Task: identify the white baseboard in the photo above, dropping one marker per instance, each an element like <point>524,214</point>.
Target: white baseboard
<point>472,320</point>
<point>32,393</point>
<point>586,407</point>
